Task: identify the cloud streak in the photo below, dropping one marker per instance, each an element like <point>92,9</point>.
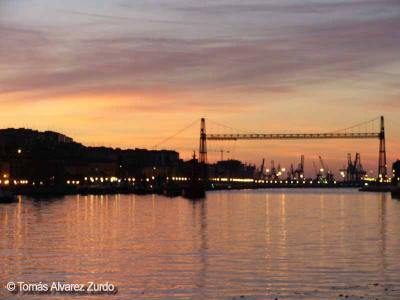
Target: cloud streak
<point>285,59</point>
<point>190,57</point>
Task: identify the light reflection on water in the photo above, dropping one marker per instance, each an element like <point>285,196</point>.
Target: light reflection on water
<point>286,244</point>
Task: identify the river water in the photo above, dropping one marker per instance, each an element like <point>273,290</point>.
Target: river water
<point>249,244</point>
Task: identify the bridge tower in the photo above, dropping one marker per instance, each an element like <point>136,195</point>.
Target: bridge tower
<point>203,142</point>
<point>382,169</point>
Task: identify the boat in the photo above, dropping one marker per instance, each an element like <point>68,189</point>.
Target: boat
<point>396,191</point>
<point>7,197</point>
<point>171,189</point>
<point>380,188</point>
<point>396,180</point>
<point>195,190</point>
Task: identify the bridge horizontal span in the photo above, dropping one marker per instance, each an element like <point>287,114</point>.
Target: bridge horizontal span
<point>291,136</point>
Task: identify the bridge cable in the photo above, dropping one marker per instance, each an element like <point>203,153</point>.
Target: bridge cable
<point>155,146</point>
<point>336,131</point>
<point>356,125</point>
<point>225,126</point>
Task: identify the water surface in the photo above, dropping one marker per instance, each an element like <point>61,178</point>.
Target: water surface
<point>254,244</point>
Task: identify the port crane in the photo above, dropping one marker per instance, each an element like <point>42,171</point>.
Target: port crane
<point>326,173</point>
<point>273,173</point>
<point>291,172</point>
<point>261,171</point>
<point>354,171</point>
<point>297,173</point>
<point>318,174</point>
<point>221,151</point>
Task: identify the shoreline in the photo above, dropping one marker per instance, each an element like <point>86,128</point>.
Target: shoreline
<point>174,190</point>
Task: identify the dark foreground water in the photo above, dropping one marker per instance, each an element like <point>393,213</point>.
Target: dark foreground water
<point>285,244</point>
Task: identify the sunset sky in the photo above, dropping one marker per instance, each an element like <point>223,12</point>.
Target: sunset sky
<point>131,73</point>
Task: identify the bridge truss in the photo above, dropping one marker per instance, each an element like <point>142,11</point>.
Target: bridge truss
<point>382,164</point>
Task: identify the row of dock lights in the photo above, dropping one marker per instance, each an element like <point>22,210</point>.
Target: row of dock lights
<point>383,180</point>
<point>178,178</point>
<point>14,182</point>
<point>104,179</point>
<point>222,179</point>
<point>5,180</point>
<point>73,182</point>
<point>268,181</point>
<point>100,179</point>
<point>116,179</point>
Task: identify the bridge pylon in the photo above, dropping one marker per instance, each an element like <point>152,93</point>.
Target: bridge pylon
<point>203,142</point>
<point>382,169</point>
